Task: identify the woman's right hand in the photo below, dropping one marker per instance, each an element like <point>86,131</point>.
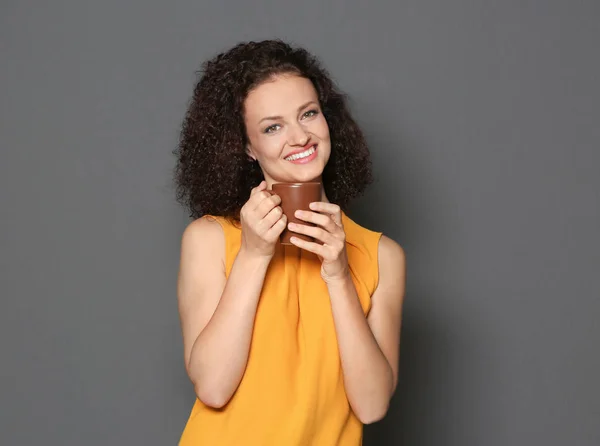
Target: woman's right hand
<point>262,221</point>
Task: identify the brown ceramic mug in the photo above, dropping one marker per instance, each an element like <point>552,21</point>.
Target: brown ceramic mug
<point>296,196</point>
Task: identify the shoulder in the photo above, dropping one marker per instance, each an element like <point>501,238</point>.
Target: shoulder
<point>392,263</point>
<point>391,252</point>
<point>202,253</point>
<point>207,225</point>
<point>204,234</point>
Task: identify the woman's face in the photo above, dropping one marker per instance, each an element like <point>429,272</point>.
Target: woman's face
<point>286,129</point>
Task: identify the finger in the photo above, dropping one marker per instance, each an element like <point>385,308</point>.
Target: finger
<point>325,221</point>
<point>270,219</point>
<point>275,231</point>
<point>313,231</point>
<point>328,208</point>
<point>268,202</point>
<point>256,200</point>
<point>313,247</point>
<point>261,186</point>
<point>256,195</point>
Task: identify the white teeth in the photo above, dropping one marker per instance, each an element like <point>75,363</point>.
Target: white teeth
<point>304,154</point>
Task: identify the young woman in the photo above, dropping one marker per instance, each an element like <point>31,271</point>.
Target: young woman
<point>285,345</point>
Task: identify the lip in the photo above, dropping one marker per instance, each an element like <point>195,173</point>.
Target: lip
<point>308,159</point>
<point>303,149</point>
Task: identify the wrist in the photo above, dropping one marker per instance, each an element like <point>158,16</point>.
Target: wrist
<point>253,258</point>
<point>340,281</point>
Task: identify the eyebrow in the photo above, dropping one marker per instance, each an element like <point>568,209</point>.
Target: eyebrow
<point>274,118</point>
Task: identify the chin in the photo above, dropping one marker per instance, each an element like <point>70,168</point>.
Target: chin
<point>300,173</point>
<point>307,177</point>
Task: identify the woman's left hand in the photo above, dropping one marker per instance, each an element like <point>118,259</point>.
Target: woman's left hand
<point>330,231</point>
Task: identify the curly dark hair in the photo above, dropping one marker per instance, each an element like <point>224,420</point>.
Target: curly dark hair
<point>214,174</point>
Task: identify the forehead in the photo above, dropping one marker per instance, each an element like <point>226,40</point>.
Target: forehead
<point>280,95</point>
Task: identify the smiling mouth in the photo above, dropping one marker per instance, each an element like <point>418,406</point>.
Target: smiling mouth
<point>298,156</point>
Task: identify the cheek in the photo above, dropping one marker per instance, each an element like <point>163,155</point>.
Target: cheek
<point>270,147</point>
<point>321,128</point>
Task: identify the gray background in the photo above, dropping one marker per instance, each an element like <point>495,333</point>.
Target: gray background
<point>483,117</point>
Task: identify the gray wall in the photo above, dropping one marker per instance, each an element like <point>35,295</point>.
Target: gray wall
<point>483,118</point>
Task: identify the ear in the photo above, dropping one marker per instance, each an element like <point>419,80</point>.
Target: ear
<point>250,153</point>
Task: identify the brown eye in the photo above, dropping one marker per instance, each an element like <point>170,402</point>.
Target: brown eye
<point>310,113</point>
<point>271,128</point>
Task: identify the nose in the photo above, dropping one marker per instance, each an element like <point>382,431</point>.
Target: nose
<point>297,136</point>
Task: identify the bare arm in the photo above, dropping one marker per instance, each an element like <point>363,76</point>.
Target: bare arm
<point>369,348</point>
<point>217,314</point>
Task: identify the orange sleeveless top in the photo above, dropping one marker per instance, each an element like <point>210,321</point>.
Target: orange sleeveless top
<point>292,392</point>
